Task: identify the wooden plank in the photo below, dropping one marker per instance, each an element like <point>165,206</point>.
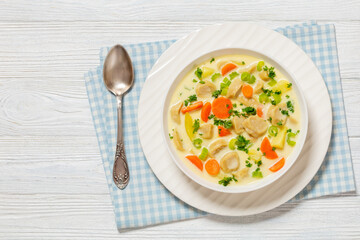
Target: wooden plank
<point>178,10</point>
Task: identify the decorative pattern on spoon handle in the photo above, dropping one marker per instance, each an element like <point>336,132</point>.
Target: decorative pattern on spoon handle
<point>121,170</point>
<point>121,173</point>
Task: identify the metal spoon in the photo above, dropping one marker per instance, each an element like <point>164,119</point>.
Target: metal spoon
<point>118,76</point>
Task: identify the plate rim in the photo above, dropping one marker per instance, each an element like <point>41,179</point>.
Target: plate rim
<point>291,193</point>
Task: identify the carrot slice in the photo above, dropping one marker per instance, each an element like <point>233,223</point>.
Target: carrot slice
<point>205,112</point>
<point>196,161</point>
<point>223,131</point>
<point>192,107</point>
<point>227,68</point>
<point>259,111</point>
<point>267,149</point>
<point>271,155</point>
<point>221,106</point>
<point>277,166</point>
<point>247,90</point>
<point>265,145</point>
<point>212,167</point>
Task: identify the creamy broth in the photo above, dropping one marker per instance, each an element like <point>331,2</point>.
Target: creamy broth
<point>253,159</point>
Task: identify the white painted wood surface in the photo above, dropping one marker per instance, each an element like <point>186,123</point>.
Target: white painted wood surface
<point>52,184</point>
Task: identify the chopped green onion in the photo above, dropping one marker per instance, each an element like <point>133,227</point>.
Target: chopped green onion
<point>263,98</point>
<point>273,131</point>
<point>224,91</point>
<point>260,65</point>
<point>197,142</point>
<point>215,76</point>
<point>225,83</point>
<point>233,75</point>
<point>257,173</point>
<point>245,76</point>
<point>277,98</point>
<point>232,144</point>
<point>252,79</point>
<point>272,82</point>
<point>288,140</point>
<point>204,153</point>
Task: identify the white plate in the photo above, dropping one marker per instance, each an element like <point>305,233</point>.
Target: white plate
<point>280,49</point>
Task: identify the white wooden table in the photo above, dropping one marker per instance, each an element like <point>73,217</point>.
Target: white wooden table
<point>52,184</point>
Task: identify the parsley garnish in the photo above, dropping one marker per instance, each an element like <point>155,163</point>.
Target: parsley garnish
<point>279,123</point>
<point>285,112</point>
<point>202,82</point>
<point>213,59</point>
<point>225,123</point>
<point>235,112</point>
<point>226,180</point>
<point>194,80</point>
<point>171,137</point>
<point>242,144</point>
<point>268,92</point>
<point>290,106</point>
<point>271,72</point>
<point>289,85</point>
<point>248,164</point>
<point>196,125</point>
<point>216,93</point>
<point>259,163</point>
<point>190,99</point>
<point>243,63</point>
<point>211,116</point>
<point>198,73</point>
<point>287,96</point>
<point>249,110</point>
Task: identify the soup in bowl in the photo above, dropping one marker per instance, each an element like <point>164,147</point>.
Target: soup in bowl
<point>234,120</point>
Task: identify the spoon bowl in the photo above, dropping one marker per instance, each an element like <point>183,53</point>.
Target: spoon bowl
<point>118,75</point>
<point>118,71</point>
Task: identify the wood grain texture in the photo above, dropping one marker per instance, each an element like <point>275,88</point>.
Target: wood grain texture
<point>52,184</point>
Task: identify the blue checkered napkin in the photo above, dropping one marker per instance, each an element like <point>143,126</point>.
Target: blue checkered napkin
<point>336,173</point>
<point>146,201</point>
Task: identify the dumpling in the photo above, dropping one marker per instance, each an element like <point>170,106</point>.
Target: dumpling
<point>175,112</point>
<point>248,102</point>
<point>205,90</point>
<point>216,146</point>
<point>234,88</point>
<point>206,130</point>
<point>230,162</point>
<point>275,113</point>
<point>255,126</point>
<point>264,75</point>
<point>237,124</point>
<point>177,140</point>
<point>258,87</point>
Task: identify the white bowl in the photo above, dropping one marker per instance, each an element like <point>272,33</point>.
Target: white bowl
<point>259,183</point>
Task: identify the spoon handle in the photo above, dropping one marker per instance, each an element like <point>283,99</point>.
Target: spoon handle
<point>121,175</point>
